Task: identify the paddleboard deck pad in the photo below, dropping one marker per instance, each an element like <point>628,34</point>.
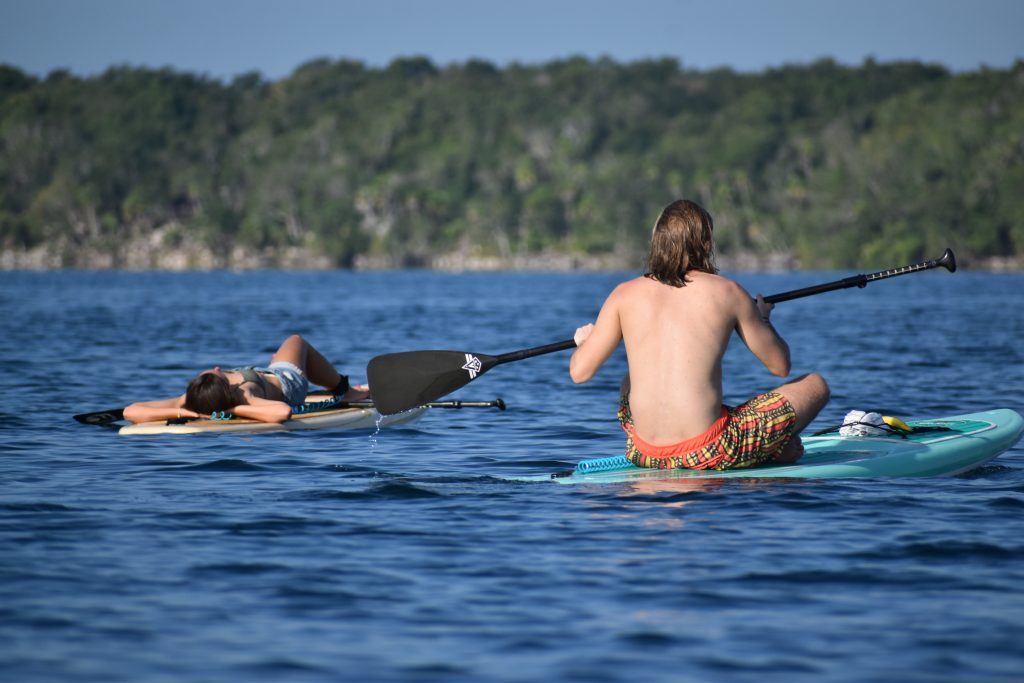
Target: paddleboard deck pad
<point>316,413</point>
<point>941,446</point>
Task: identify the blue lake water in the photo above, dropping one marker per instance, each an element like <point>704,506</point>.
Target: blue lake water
<point>399,556</point>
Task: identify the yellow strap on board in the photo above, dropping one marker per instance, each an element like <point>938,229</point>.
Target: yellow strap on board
<point>897,423</point>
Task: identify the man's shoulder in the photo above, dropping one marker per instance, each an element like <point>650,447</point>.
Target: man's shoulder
<point>715,281</point>
<point>626,292</point>
<point>630,286</point>
<point>725,292</point>
<point>645,286</point>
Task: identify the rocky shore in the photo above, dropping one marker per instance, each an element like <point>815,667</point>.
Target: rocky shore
<point>153,253</point>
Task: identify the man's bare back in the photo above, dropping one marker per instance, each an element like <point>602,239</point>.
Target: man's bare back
<point>677,321</point>
<point>675,338</point>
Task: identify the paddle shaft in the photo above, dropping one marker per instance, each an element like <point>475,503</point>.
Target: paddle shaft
<point>535,351</point>
<point>496,403</point>
<point>947,261</point>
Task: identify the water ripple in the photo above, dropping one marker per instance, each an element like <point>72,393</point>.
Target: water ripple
<point>400,555</point>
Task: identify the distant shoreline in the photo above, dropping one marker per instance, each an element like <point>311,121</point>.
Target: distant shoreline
<point>560,167</point>
<point>43,259</point>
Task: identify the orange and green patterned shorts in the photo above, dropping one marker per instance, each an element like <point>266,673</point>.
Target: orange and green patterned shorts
<point>746,436</point>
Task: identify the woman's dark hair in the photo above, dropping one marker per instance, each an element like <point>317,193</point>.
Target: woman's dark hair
<point>208,393</point>
<point>681,242</point>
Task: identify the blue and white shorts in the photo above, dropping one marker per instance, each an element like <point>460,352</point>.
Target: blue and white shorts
<point>294,384</point>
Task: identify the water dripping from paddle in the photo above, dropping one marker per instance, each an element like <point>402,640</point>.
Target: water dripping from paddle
<point>379,422</point>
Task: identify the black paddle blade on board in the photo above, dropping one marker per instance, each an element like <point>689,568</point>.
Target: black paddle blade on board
<point>402,381</point>
<point>103,417</point>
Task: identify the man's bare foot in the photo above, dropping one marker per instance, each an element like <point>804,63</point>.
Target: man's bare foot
<point>791,452</point>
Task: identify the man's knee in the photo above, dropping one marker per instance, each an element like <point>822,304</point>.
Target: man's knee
<point>808,394</point>
<point>818,386</point>
<point>811,383</point>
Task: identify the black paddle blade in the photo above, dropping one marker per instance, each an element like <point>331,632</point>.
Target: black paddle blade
<point>402,381</point>
<point>103,417</point>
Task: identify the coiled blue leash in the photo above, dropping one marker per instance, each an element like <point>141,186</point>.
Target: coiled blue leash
<point>618,462</point>
<point>315,407</point>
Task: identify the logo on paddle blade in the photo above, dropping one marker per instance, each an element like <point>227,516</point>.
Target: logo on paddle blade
<point>472,365</point>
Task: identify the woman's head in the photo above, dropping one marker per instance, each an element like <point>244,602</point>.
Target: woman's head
<point>208,393</point>
<point>681,242</point>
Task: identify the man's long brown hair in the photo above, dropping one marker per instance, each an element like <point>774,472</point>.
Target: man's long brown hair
<point>681,242</point>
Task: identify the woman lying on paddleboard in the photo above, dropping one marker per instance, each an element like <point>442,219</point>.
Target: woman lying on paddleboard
<point>266,394</point>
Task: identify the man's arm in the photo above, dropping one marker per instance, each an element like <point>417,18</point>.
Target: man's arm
<point>754,327</point>
<point>596,342</point>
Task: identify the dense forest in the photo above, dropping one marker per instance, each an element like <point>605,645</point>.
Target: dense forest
<point>565,164</point>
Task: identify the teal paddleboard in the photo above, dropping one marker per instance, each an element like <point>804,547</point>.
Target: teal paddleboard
<point>940,446</point>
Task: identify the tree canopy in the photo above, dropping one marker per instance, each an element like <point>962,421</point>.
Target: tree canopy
<point>823,165</point>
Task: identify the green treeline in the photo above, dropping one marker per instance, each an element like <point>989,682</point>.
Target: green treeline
<point>825,165</point>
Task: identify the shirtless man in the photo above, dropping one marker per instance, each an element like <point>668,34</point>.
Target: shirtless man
<point>266,394</point>
<point>676,321</point>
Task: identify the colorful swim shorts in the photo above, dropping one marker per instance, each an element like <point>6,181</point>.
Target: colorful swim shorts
<point>746,436</point>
